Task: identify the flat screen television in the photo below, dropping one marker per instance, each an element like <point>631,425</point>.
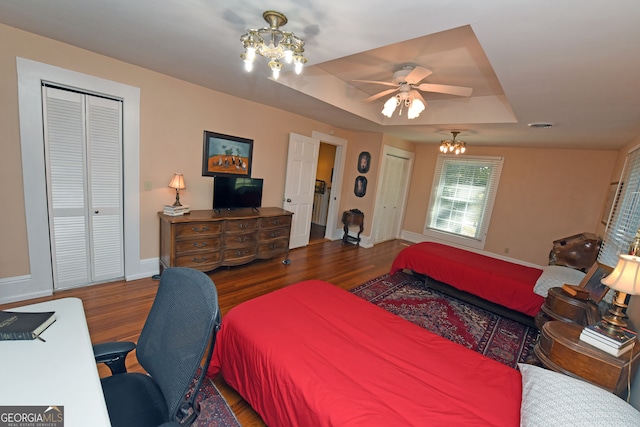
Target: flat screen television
<point>230,192</point>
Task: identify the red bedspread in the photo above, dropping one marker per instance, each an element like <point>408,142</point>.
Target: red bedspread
<point>312,354</point>
<point>505,283</point>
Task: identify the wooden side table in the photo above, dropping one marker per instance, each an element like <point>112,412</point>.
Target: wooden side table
<point>560,349</point>
<point>353,217</point>
<point>559,305</point>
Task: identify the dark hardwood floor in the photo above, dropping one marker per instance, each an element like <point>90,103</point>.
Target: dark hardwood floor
<point>116,311</point>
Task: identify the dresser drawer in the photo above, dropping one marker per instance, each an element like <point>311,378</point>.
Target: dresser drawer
<point>201,261</point>
<point>276,221</point>
<point>240,240</point>
<point>233,225</point>
<point>198,229</point>
<point>198,245</point>
<point>239,255</point>
<point>273,248</point>
<point>274,233</point>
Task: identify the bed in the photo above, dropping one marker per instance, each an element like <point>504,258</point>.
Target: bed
<point>517,287</point>
<point>312,354</point>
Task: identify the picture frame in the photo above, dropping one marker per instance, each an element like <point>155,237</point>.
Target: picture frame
<point>364,162</point>
<point>613,197</point>
<point>360,186</point>
<point>226,155</point>
<point>592,281</point>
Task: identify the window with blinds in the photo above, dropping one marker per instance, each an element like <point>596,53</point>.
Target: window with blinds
<point>462,197</point>
<point>624,220</point>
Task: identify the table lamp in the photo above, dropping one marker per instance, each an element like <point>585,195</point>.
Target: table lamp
<point>177,182</point>
<point>625,280</point>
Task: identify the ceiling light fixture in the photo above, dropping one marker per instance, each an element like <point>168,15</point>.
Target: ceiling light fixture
<point>274,44</point>
<point>453,146</point>
<point>405,99</point>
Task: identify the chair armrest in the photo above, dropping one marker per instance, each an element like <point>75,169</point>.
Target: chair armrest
<point>113,354</point>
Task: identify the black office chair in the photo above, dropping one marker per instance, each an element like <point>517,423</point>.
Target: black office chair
<point>177,337</point>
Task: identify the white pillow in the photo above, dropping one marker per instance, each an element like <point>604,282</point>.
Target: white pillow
<point>554,276</point>
<point>552,399</point>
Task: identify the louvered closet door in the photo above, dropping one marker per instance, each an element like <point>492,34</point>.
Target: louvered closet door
<point>83,139</point>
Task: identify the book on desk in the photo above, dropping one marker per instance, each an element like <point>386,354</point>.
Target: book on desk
<point>15,325</point>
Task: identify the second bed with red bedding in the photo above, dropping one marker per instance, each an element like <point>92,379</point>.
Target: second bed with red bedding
<point>504,283</point>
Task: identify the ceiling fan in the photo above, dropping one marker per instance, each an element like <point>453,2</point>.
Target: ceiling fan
<point>407,81</point>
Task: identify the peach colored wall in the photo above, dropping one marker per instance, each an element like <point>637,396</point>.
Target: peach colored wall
<point>362,141</point>
<point>173,116</point>
<point>544,195</point>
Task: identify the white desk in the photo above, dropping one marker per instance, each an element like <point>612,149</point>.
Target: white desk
<point>61,371</point>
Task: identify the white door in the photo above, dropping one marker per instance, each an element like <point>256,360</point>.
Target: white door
<point>392,193</point>
<point>302,163</point>
<point>83,147</point>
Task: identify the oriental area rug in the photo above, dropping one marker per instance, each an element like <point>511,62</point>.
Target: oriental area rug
<point>507,341</point>
<point>214,410</point>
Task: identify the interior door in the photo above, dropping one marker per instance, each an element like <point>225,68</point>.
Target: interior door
<point>302,164</point>
<point>83,147</point>
<point>394,181</point>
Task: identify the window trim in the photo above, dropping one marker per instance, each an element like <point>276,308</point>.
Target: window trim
<point>625,219</point>
<point>456,239</point>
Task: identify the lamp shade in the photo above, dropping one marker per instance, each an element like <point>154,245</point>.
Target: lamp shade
<point>177,182</point>
<point>626,276</point>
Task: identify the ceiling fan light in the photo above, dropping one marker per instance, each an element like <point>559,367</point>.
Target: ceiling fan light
<point>390,106</point>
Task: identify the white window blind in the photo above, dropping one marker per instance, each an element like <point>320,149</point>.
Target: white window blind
<point>625,219</point>
<point>462,196</point>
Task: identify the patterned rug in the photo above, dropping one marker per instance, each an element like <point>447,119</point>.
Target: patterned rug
<point>496,337</point>
<point>214,410</point>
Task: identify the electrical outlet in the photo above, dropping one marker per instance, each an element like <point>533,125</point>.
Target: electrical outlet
<point>147,186</point>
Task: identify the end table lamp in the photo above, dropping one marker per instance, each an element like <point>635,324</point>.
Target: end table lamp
<point>177,182</point>
<point>625,279</point>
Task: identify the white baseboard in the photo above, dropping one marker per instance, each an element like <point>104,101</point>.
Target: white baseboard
<point>17,288</point>
<point>20,288</point>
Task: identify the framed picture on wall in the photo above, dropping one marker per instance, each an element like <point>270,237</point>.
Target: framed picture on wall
<point>364,160</point>
<point>226,155</point>
<point>360,188</point>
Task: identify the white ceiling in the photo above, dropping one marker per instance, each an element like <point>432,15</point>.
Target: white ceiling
<point>574,63</point>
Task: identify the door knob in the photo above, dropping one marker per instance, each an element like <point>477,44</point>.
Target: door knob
<point>288,200</point>
<point>95,212</point>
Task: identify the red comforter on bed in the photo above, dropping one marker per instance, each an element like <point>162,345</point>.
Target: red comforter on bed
<point>312,354</point>
<point>505,283</point>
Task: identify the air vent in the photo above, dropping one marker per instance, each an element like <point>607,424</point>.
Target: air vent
<point>543,125</point>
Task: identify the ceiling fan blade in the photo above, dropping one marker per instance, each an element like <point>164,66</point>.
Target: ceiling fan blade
<point>380,94</point>
<point>449,90</point>
<point>419,96</point>
<point>376,82</point>
<point>417,74</point>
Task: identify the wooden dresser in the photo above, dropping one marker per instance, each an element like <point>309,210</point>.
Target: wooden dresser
<point>206,239</point>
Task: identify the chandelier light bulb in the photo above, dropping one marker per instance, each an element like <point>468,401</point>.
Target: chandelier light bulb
<point>251,53</point>
<point>275,66</point>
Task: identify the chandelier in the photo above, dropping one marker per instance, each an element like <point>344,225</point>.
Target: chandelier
<point>405,99</point>
<point>451,145</point>
<point>274,44</point>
